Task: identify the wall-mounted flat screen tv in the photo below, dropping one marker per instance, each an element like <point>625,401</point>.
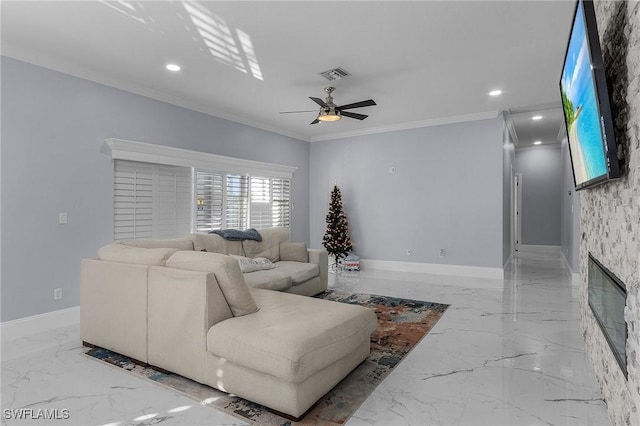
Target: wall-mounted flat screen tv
<point>585,100</point>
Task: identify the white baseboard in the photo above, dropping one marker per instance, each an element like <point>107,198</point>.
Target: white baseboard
<point>575,276</point>
<point>507,261</point>
<point>432,268</point>
<point>575,279</point>
<point>10,330</point>
<point>565,261</point>
<point>555,250</point>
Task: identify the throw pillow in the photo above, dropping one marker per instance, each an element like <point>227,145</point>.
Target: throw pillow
<point>214,243</point>
<point>296,252</point>
<point>251,265</point>
<point>269,247</point>
<point>228,275</point>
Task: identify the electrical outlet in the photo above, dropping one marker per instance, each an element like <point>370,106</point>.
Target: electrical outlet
<point>62,218</point>
<point>442,253</point>
<point>57,294</point>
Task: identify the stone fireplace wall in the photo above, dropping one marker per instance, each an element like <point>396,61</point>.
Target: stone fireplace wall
<point>610,213</point>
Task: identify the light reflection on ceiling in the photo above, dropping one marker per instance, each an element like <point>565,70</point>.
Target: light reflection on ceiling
<point>221,42</point>
<point>126,8</point>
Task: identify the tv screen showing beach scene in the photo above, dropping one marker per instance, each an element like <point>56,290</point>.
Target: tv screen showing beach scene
<point>587,142</point>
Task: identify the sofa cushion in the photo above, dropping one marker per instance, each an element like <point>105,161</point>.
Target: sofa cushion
<point>271,279</point>
<point>251,265</point>
<point>296,252</point>
<point>299,272</point>
<point>271,340</point>
<point>214,243</point>
<point>177,243</point>
<point>228,275</point>
<point>116,252</point>
<point>269,247</point>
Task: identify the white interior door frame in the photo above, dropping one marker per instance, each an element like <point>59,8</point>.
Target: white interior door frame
<point>516,217</point>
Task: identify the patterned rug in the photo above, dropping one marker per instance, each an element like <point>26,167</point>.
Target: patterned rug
<point>402,323</point>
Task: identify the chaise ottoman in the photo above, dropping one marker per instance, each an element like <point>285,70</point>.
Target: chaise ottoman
<point>289,353</point>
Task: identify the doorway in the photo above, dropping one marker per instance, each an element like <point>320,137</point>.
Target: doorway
<point>517,211</point>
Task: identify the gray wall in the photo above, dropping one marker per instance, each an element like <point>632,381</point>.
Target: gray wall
<point>542,177</point>
<point>446,193</point>
<point>54,160</point>
<point>570,212</point>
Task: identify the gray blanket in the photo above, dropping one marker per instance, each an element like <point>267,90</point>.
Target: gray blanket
<point>236,235</point>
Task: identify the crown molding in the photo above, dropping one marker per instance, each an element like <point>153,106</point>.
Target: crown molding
<point>511,128</point>
<point>411,125</point>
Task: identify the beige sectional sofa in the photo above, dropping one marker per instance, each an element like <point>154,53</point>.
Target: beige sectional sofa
<point>191,312</point>
<point>297,269</point>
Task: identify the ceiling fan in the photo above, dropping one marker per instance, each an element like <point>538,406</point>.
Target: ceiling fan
<point>332,112</point>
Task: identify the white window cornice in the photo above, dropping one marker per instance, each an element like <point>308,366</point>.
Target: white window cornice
<point>159,154</point>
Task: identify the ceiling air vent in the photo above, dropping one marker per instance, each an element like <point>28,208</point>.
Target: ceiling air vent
<point>335,74</point>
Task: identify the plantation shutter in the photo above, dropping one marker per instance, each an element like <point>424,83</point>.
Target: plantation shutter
<point>133,200</point>
<point>210,201</point>
<point>260,208</point>
<point>281,205</point>
<point>173,208</point>
<point>151,200</point>
<point>237,202</point>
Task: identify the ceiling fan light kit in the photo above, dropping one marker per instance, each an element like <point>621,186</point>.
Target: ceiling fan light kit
<point>330,115</point>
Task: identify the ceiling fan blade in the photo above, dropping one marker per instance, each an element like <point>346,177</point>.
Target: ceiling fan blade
<point>316,121</point>
<point>296,112</point>
<point>353,115</point>
<point>318,101</point>
<point>368,102</point>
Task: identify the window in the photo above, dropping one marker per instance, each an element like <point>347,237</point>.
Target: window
<point>151,200</point>
<point>167,192</point>
<point>241,201</point>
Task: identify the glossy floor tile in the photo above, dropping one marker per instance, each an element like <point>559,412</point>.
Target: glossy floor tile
<point>506,352</point>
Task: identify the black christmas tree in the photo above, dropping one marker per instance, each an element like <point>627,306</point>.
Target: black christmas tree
<point>336,240</point>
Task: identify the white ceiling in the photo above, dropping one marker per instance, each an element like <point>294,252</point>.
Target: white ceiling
<point>423,62</point>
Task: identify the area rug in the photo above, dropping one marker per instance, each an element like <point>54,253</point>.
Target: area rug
<point>402,323</point>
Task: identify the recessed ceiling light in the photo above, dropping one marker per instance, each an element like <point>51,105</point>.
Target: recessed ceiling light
<point>173,67</point>
<point>537,143</point>
<point>536,117</point>
<point>495,93</point>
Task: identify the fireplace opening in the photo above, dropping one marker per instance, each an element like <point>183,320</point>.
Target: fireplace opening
<point>607,299</point>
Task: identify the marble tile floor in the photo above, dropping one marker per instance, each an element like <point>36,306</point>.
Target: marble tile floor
<point>506,352</point>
